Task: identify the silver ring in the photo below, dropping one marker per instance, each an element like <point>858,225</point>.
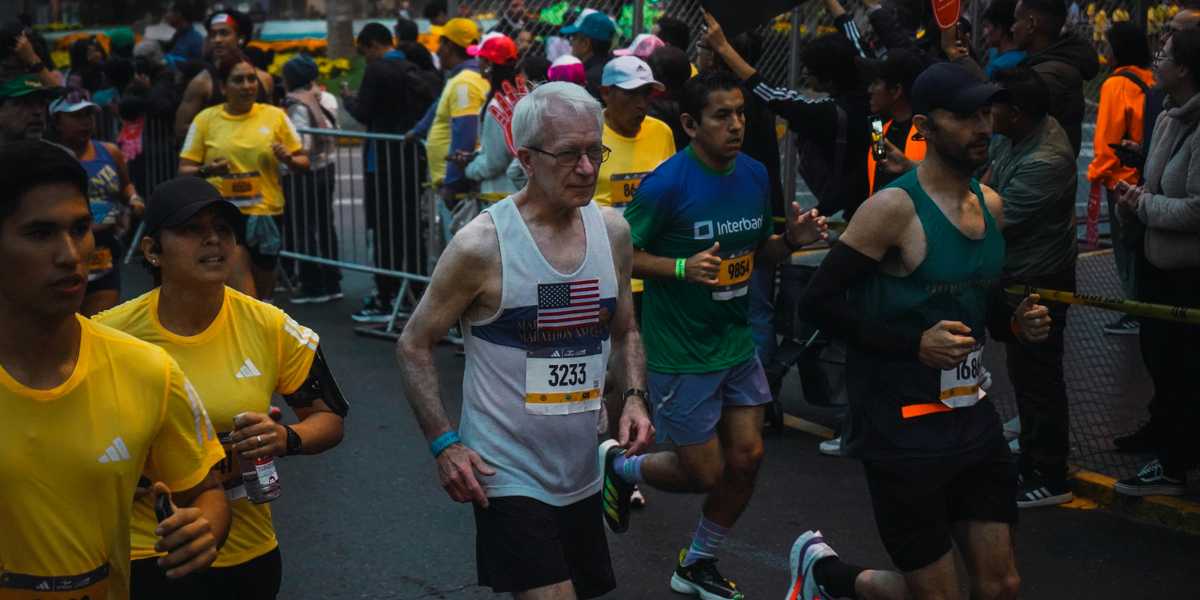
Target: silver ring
<point>259,438</point>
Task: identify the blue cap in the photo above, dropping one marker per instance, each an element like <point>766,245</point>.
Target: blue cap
<point>595,25</point>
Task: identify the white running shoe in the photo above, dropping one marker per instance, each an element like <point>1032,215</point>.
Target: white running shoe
<point>831,447</point>
<point>809,548</point>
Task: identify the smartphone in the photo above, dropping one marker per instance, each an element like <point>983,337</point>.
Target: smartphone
<point>878,147</point>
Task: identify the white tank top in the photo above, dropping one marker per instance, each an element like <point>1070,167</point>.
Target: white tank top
<point>535,370</point>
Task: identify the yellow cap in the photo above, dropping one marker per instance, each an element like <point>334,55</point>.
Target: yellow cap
<point>462,32</point>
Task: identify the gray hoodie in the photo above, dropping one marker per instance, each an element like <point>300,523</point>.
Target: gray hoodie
<point>1170,206</point>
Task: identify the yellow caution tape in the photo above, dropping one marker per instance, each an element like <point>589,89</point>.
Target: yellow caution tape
<point>1130,307</point>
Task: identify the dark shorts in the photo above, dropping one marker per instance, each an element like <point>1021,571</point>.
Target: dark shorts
<point>264,240</point>
<point>255,579</point>
<point>918,501</point>
<point>523,544</point>
<point>687,406</point>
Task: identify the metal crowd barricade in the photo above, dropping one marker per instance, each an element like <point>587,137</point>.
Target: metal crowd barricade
<point>365,210</point>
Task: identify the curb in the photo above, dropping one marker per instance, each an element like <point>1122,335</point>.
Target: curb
<point>1169,511</point>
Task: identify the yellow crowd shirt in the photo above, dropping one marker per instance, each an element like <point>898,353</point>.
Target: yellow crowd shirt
<point>632,159</point>
<point>463,96</point>
<point>71,458</point>
<point>250,351</point>
<point>245,141</point>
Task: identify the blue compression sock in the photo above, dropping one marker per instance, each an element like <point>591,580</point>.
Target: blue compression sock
<point>629,468</point>
<point>707,541</point>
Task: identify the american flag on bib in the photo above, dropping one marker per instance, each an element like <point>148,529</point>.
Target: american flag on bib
<point>562,305</point>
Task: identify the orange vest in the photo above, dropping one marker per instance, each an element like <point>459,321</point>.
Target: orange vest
<point>914,149</point>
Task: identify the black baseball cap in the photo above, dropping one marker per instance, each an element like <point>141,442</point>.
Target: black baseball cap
<point>175,202</point>
<point>951,87</point>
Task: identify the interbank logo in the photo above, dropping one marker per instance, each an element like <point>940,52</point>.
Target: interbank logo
<point>704,230</point>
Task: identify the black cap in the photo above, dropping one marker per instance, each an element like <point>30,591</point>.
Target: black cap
<point>951,87</point>
<point>175,202</point>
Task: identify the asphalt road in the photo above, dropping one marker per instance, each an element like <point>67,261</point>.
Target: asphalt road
<point>368,520</point>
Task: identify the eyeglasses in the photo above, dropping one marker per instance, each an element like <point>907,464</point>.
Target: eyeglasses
<point>570,158</point>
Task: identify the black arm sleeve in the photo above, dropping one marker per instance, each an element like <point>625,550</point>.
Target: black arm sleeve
<point>808,117</point>
<point>319,385</point>
<point>824,303</point>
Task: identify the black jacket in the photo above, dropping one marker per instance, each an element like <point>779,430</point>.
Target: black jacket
<point>1064,67</point>
<point>393,96</point>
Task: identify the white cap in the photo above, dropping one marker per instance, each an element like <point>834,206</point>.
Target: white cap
<point>629,73</point>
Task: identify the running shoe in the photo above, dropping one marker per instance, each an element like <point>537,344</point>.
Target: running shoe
<point>1012,428</point>
<point>616,490</point>
<point>809,548</point>
<point>310,297</point>
<point>1153,480</point>
<point>374,310</point>
<point>702,580</point>
<point>1126,325</point>
<point>831,447</point>
<point>1145,439</point>
<point>1035,490</point>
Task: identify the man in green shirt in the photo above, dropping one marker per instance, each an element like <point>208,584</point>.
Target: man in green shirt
<point>699,223</point>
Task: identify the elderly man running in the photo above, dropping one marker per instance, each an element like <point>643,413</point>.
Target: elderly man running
<point>540,282</point>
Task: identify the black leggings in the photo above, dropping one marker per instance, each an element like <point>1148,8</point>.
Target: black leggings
<point>255,579</point>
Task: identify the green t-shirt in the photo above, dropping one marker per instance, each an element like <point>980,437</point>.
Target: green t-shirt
<point>680,209</point>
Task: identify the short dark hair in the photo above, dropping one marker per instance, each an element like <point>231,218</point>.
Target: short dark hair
<point>900,69</point>
<point>407,30</point>
<point>670,66</point>
<point>535,67</point>
<point>1026,91</point>
<point>1054,10</point>
<point>831,57</point>
<point>697,90</point>
<point>1185,52</point>
<point>225,69</point>
<point>601,47</point>
<point>28,164</point>
<point>433,9</point>
<point>374,33</point>
<point>674,32</point>
<point>1129,45</point>
<point>1000,13</point>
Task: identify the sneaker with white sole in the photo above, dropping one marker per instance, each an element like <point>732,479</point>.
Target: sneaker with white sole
<point>702,580</point>
<point>809,548</point>
<point>831,447</point>
<point>637,499</point>
<point>1153,480</point>
<point>1035,490</point>
<point>1126,325</point>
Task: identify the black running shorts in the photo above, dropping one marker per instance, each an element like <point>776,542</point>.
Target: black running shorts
<point>523,544</point>
<point>256,579</point>
<point>917,501</point>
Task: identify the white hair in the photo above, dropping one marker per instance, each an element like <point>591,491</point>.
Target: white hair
<point>554,100</point>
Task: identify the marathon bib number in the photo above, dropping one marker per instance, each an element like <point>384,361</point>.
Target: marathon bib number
<point>230,470</point>
<point>89,586</point>
<point>733,280</point>
<point>242,189</point>
<point>960,385</point>
<point>564,381</point>
<point>624,185</point>
<point>100,262</point>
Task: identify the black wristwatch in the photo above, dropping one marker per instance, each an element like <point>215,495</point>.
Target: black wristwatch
<point>636,392</point>
<point>294,443</point>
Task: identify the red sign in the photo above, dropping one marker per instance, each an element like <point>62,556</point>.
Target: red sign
<point>946,12</point>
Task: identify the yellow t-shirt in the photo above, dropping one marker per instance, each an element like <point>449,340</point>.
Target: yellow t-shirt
<point>632,159</point>
<point>250,351</point>
<point>71,457</point>
<point>463,96</point>
<point>245,141</point>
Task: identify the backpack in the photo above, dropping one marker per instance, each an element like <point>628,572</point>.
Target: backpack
<point>1152,105</point>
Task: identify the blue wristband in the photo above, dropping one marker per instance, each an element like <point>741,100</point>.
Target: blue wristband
<point>439,445</point>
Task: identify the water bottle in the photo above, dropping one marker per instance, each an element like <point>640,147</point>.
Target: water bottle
<point>260,477</point>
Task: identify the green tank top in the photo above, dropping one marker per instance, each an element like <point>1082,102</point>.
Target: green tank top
<point>952,284</point>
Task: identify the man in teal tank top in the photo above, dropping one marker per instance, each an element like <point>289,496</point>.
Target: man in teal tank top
<point>918,265</point>
<point>699,223</point>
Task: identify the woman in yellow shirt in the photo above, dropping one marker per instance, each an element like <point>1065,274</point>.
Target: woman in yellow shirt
<point>238,146</point>
<point>238,351</point>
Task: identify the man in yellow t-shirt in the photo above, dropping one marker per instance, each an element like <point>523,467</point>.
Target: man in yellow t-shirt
<point>455,124</point>
<point>90,413</point>
<point>638,143</point>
